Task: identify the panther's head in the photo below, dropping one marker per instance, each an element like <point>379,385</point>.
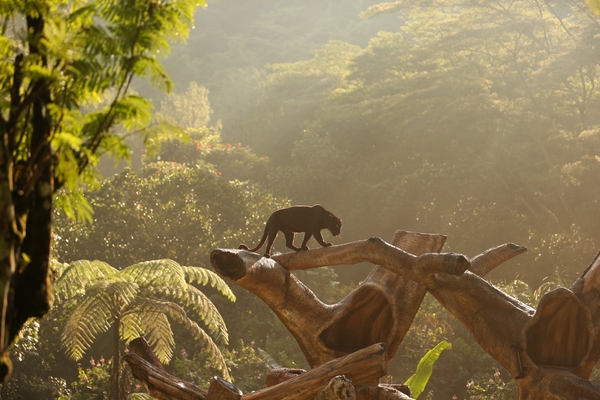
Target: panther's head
<point>334,224</point>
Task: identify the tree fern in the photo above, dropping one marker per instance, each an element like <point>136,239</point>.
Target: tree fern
<point>140,300</point>
<point>157,272</point>
<point>79,275</point>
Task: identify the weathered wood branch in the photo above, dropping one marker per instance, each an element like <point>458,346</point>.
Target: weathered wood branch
<point>363,366</point>
<point>550,351</point>
<point>381,309</point>
<point>278,375</point>
<point>160,384</point>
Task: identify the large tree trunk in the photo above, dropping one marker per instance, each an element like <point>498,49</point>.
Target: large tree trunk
<point>25,212</point>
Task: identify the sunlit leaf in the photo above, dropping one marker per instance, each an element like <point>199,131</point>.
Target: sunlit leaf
<point>419,379</point>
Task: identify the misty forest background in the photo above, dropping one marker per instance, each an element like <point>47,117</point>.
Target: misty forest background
<point>480,122</point>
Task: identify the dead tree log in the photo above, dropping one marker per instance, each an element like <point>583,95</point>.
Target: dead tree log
<point>550,351</point>
<point>381,309</point>
<point>159,383</point>
<point>363,366</point>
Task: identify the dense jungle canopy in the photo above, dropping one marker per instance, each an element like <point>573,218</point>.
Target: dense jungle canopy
<point>479,120</point>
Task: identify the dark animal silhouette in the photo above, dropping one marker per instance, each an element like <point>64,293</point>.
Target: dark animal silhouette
<point>295,219</point>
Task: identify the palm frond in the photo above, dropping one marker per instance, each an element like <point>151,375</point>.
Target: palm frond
<point>207,277</point>
<point>161,272</point>
<point>80,275</point>
<point>99,308</point>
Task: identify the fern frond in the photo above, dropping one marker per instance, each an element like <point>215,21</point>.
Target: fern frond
<point>208,313</point>
<point>149,309</point>
<point>192,299</point>
<point>80,275</point>
<point>156,272</point>
<point>132,327</point>
<point>159,335</point>
<point>152,314</point>
<point>207,277</point>
<point>101,306</point>
<point>202,338</point>
<point>92,316</point>
<point>58,267</point>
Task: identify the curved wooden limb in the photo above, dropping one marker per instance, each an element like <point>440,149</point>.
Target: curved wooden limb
<point>381,309</point>
<point>376,251</point>
<point>550,351</point>
<point>553,384</point>
<point>490,259</point>
<point>494,318</point>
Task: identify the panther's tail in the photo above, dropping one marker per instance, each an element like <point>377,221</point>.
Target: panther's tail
<point>262,241</point>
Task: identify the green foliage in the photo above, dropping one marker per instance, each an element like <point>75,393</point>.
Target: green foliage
<point>167,210</point>
<point>188,110</point>
<point>32,376</point>
<point>66,70</point>
<point>140,300</point>
<point>92,383</point>
<point>494,387</point>
<point>143,299</point>
<point>89,52</point>
<point>248,368</point>
<point>419,379</point>
<point>462,120</point>
<point>454,370</point>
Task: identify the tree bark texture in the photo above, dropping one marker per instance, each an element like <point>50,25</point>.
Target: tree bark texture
<point>25,213</point>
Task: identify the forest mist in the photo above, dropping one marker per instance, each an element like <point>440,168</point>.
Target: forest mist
<point>478,122</point>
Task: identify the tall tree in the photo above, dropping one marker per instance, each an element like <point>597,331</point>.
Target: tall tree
<point>66,69</point>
